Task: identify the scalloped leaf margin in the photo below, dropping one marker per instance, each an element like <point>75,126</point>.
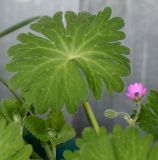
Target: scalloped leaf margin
<point>65,63</point>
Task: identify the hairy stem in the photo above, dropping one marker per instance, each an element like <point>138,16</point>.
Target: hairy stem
<point>6,84</point>
<point>91,116</point>
<point>54,150</point>
<point>36,155</point>
<point>48,151</point>
<point>138,111</point>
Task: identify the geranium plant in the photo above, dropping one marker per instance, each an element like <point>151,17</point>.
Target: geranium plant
<point>59,65</point>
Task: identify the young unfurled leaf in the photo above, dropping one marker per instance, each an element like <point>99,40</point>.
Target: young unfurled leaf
<point>128,144</point>
<point>37,127</point>
<point>148,118</point>
<point>62,65</point>
<point>53,129</point>
<point>11,110</point>
<point>55,120</point>
<point>12,146</point>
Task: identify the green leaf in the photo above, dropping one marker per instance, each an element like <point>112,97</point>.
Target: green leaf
<point>63,135</point>
<point>12,110</point>
<point>154,153</point>
<point>53,129</point>
<point>37,127</point>
<point>63,64</point>
<point>128,144</point>
<point>12,146</point>
<point>148,118</point>
<point>55,120</point>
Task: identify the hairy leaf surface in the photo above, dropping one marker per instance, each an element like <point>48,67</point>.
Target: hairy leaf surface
<point>37,127</point>
<point>12,111</point>
<point>12,146</point>
<point>53,129</point>
<point>61,64</point>
<point>126,144</point>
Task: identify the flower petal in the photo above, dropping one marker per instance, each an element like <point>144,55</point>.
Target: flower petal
<point>137,87</point>
<point>130,96</point>
<point>144,91</point>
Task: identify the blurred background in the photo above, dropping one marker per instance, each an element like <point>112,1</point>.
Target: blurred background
<point>142,38</point>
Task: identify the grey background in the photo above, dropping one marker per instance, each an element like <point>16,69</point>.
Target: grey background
<point>142,38</point>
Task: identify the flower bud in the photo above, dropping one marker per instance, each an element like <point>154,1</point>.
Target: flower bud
<point>16,118</point>
<point>110,113</point>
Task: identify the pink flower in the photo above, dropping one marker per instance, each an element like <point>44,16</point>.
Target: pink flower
<point>136,91</point>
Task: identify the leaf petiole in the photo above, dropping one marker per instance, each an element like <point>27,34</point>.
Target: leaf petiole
<point>36,156</point>
<point>48,151</point>
<point>18,26</point>
<point>4,82</point>
<point>91,116</point>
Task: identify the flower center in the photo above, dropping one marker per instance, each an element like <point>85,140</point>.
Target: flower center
<point>136,93</point>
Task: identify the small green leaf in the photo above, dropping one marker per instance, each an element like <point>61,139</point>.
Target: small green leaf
<point>128,144</point>
<point>55,120</point>
<point>63,135</point>
<point>53,129</point>
<point>148,118</point>
<point>12,110</point>
<point>12,146</point>
<point>37,127</point>
<point>66,63</point>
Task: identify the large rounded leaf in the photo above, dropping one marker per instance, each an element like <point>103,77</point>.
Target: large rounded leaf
<point>128,144</point>
<point>61,64</point>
